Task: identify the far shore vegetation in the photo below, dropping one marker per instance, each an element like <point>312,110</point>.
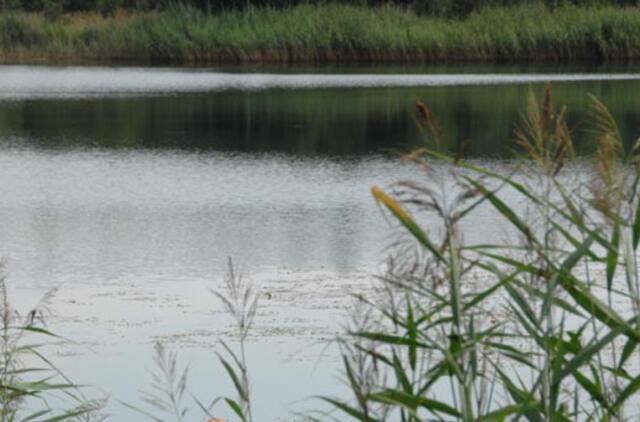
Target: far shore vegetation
<point>199,32</point>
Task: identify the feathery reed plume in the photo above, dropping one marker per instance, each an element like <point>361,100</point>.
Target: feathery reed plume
<point>428,124</point>
<point>241,302</point>
<point>168,387</point>
<point>543,134</point>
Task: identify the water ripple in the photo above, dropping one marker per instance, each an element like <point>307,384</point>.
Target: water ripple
<point>24,82</point>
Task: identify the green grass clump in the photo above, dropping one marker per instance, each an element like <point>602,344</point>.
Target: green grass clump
<point>326,33</point>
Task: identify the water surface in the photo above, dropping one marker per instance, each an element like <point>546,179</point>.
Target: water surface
<point>128,188</point>
<point>302,114</point>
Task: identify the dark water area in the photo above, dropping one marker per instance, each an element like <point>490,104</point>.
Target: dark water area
<point>304,114</point>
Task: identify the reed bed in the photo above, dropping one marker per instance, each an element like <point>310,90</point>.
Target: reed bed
<point>538,325</point>
<point>325,33</point>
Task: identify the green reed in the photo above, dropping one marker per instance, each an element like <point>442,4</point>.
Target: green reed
<point>29,381</point>
<point>169,397</point>
<point>325,33</point>
<point>541,323</point>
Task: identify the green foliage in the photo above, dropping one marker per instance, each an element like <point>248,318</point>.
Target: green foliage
<point>320,33</point>
<point>29,381</point>
<point>19,31</point>
<point>107,7</point>
<point>451,8</point>
<point>241,302</point>
<point>525,328</point>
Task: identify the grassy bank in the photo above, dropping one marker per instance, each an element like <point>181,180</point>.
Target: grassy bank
<point>330,33</point>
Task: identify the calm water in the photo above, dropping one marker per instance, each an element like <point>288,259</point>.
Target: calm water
<point>147,179</point>
<point>305,114</point>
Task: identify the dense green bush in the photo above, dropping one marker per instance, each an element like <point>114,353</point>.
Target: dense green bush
<point>18,31</point>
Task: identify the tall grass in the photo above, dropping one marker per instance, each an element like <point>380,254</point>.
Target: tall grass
<point>541,323</point>
<point>241,302</point>
<point>31,386</point>
<point>326,33</point>
<point>435,7</point>
<point>169,397</point>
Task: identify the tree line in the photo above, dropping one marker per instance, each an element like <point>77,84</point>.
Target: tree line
<point>451,8</point>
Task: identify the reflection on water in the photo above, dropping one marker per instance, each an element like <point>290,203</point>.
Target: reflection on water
<point>104,215</point>
<point>176,110</point>
<point>100,185</point>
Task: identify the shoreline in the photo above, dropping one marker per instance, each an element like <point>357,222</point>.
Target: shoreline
<point>325,35</point>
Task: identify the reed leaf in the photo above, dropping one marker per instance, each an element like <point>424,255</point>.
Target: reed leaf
<point>405,220</point>
<point>412,402</point>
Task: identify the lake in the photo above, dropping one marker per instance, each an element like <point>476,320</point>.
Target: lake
<point>128,188</point>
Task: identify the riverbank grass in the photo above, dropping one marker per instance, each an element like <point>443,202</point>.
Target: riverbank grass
<point>326,33</point>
